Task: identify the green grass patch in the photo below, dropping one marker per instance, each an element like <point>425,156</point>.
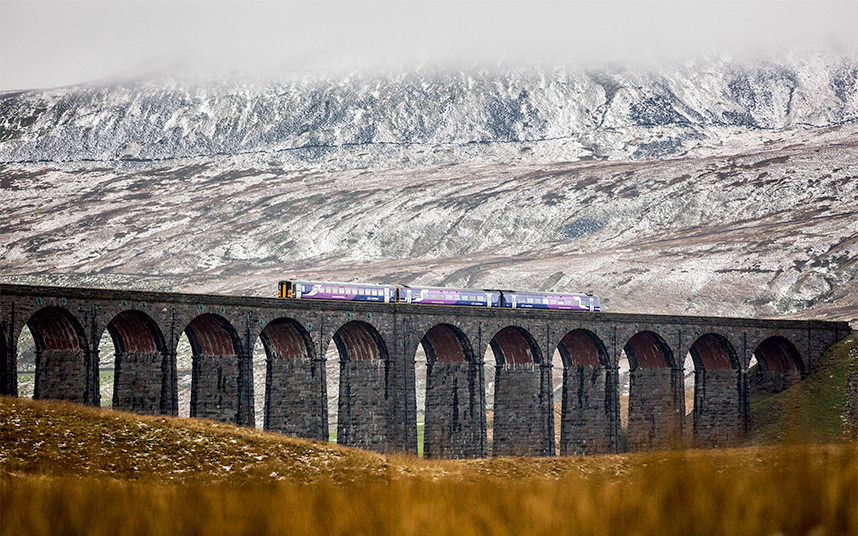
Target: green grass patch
<point>810,411</point>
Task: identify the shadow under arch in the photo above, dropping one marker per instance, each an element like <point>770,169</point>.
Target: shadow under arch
<point>719,417</point>
<point>142,380</point>
<point>646,349</point>
<point>779,365</point>
<point>221,379</point>
<point>365,406</point>
<point>523,420</point>
<point>295,390</point>
<point>455,424</point>
<point>64,364</point>
<point>656,394</point>
<point>587,424</point>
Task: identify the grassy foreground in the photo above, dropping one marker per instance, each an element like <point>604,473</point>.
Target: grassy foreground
<point>68,469</point>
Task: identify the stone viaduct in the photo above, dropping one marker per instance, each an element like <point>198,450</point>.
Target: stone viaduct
<point>377,344</point>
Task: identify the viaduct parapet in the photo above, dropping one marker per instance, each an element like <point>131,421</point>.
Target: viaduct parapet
<point>377,344</point>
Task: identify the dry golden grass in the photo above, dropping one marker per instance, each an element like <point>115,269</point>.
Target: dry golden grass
<point>802,491</point>
<point>69,469</point>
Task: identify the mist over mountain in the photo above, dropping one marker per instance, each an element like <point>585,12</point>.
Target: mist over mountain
<point>435,115</point>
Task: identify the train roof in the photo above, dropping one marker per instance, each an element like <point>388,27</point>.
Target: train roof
<point>338,283</point>
<point>565,294</point>
<point>483,290</point>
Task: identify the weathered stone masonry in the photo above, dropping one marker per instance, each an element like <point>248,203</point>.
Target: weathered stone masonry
<point>377,344</point>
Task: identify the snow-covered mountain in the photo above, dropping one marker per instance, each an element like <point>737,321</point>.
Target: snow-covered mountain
<point>713,187</point>
<point>435,115</point>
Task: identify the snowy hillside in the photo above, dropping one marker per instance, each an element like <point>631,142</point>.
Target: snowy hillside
<point>435,116</point>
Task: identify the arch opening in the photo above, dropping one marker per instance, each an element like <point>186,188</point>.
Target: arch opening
<point>363,407</point>
<point>585,419</point>
<point>717,417</point>
<point>359,341</point>
<point>294,390</point>
<point>454,402</point>
<point>778,366</point>
<point>648,350</point>
<point>140,377</point>
<point>522,421</point>
<point>514,346</point>
<point>655,394</point>
<point>713,352</point>
<point>778,354</point>
<point>221,378</point>
<point>445,343</point>
<point>26,362</point>
<point>581,347</point>
<point>62,368</point>
<point>212,335</point>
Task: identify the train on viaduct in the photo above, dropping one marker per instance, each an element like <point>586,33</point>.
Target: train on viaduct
<point>377,344</point>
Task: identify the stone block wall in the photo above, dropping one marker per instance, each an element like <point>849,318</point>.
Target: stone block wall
<point>295,397</point>
<point>217,389</point>
<point>718,419</point>
<point>137,382</point>
<point>454,413</point>
<point>363,406</point>
<point>519,427</point>
<point>61,375</point>
<point>586,412</point>
<point>653,415</point>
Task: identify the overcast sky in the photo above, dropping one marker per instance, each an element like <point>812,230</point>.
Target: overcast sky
<point>47,44</point>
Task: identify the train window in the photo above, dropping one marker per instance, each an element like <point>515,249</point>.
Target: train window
<point>530,300</point>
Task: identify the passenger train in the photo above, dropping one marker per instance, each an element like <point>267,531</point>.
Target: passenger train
<point>437,296</point>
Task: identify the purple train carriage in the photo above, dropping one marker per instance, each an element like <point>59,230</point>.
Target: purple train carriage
<point>447,296</point>
<point>567,302</point>
<point>437,296</point>
<point>337,291</point>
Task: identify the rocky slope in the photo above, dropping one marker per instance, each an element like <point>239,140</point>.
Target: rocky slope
<point>768,232</point>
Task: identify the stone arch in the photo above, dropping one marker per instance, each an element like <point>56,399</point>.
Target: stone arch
<point>211,334</point>
<point>455,403</point>
<point>582,347</point>
<point>446,343</point>
<point>719,416</point>
<point>364,408</point>
<point>712,351</point>
<point>655,393</point>
<point>514,345</point>
<point>221,379</point>
<point>779,365</point>
<point>64,370</point>
<point>523,413</point>
<point>646,349</point>
<point>778,354</point>
<point>587,405</point>
<point>141,380</point>
<point>360,341</point>
<point>295,391</point>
